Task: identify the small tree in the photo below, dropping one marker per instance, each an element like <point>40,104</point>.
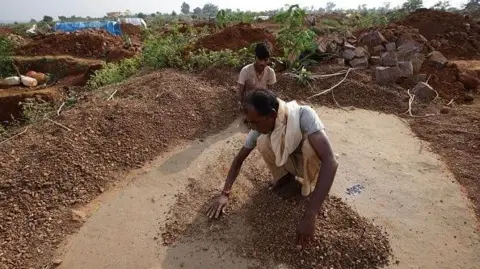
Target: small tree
<point>412,5</point>
<point>47,19</point>
<point>142,15</point>
<point>185,8</point>
<point>210,9</point>
<point>330,6</point>
<point>197,11</point>
<point>174,13</point>
<point>33,21</point>
<point>441,5</point>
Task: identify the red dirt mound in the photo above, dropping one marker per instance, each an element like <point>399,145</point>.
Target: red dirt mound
<point>456,36</point>
<point>130,29</point>
<point>236,37</point>
<point>88,44</point>
<point>5,31</point>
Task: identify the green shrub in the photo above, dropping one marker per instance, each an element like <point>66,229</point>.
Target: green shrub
<point>6,62</point>
<point>115,72</point>
<point>204,59</point>
<point>294,37</point>
<point>165,51</point>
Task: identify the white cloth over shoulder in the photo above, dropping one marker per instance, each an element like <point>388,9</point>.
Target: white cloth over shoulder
<point>287,135</point>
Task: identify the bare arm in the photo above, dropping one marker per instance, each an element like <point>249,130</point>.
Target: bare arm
<point>218,207</point>
<point>241,92</point>
<point>235,168</point>
<point>328,169</point>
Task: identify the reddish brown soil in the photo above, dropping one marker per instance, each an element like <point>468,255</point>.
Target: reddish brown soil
<point>130,29</point>
<point>5,31</point>
<point>48,170</point>
<point>88,44</point>
<point>57,66</point>
<point>456,137</point>
<point>452,36</point>
<point>10,108</point>
<point>236,37</point>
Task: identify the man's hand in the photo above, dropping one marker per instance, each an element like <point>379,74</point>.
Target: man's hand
<point>218,207</point>
<point>306,230</point>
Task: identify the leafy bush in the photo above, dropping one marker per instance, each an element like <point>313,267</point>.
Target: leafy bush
<point>204,59</point>
<point>165,51</point>
<point>6,62</point>
<point>294,37</point>
<point>115,72</point>
<point>34,109</point>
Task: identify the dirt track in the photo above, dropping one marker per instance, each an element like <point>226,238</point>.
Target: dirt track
<point>431,224</point>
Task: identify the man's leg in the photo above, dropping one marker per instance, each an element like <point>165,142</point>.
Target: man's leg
<point>310,166</point>
<point>285,172</point>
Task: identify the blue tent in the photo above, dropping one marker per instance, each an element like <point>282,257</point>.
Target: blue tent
<point>112,27</point>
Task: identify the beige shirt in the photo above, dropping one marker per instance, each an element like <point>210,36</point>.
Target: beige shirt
<point>252,80</point>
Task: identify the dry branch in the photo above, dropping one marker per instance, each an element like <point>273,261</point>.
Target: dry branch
<point>111,96</point>
<point>12,137</point>
<point>59,124</point>
<point>60,109</point>
<point>334,86</point>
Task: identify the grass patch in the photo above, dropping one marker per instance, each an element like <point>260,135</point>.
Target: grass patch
<point>115,72</point>
<point>6,62</point>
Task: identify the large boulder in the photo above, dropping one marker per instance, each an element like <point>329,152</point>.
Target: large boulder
<point>378,49</point>
<point>406,69</point>
<point>360,52</point>
<point>387,75</point>
<point>389,58</point>
<point>407,49</point>
<point>437,58</point>
<point>348,54</point>
<point>424,92</point>
<point>470,82</point>
<point>417,60</point>
<point>371,39</point>
<point>359,62</point>
<point>391,46</point>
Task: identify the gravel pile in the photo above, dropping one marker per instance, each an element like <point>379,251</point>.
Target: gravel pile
<point>48,170</point>
<point>261,226</point>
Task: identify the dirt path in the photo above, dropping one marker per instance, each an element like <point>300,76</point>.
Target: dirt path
<point>407,190</point>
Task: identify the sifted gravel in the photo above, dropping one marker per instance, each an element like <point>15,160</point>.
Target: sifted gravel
<point>261,225</point>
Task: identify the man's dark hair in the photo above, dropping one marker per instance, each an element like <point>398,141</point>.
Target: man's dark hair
<point>263,101</point>
<point>261,51</point>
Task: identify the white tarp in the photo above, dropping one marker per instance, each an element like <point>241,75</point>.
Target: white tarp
<point>134,21</point>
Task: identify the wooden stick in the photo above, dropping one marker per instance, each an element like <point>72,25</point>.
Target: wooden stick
<point>111,96</point>
<point>330,75</point>
<point>410,102</point>
<point>60,109</point>
<point>59,124</point>
<point>335,100</point>
<point>336,85</point>
<point>12,137</point>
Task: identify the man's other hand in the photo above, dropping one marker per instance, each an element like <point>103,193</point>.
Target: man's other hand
<point>218,207</point>
<point>305,231</point>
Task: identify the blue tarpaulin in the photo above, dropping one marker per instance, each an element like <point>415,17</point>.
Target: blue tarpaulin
<point>112,27</point>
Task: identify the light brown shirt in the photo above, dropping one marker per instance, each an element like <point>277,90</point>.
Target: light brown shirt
<point>252,80</point>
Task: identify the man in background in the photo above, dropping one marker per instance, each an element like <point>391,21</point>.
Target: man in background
<point>257,75</point>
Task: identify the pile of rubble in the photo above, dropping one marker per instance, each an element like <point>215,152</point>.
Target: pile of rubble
<point>455,35</point>
<point>87,44</point>
<point>398,54</point>
<point>235,37</point>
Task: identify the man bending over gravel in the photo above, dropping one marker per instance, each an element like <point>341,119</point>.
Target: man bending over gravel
<point>292,141</point>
